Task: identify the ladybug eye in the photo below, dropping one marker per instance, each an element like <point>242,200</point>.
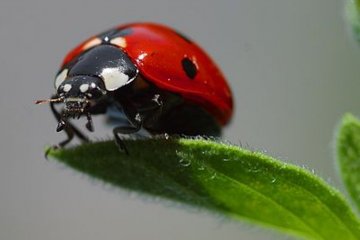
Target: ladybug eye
<point>60,78</point>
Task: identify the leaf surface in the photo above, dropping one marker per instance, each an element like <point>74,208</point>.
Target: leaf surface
<point>224,179</point>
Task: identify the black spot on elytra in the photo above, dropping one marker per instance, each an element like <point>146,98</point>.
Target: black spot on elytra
<point>189,67</point>
<point>183,37</point>
<point>113,33</point>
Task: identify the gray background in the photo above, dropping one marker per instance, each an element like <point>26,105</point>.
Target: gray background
<point>293,69</point>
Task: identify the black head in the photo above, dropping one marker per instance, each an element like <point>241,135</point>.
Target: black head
<point>90,77</point>
<point>80,92</point>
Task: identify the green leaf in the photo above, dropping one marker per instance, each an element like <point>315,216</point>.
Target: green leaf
<point>224,179</point>
<point>353,17</point>
<point>348,154</point>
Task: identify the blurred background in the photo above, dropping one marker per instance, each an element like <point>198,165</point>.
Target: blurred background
<point>292,66</point>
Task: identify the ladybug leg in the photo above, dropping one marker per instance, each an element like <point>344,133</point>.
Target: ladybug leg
<point>69,129</point>
<point>152,111</point>
<point>123,130</point>
<point>134,118</point>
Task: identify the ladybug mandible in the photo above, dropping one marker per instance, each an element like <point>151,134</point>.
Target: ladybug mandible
<point>157,78</point>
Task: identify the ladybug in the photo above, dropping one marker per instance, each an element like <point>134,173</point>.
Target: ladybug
<point>151,75</point>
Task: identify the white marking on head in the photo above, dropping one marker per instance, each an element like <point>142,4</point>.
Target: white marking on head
<point>106,39</point>
<point>119,41</point>
<point>84,87</point>
<point>91,43</point>
<point>114,78</point>
<point>67,87</point>
<point>60,78</point>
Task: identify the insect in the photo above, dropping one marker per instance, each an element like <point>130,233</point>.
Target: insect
<point>157,78</point>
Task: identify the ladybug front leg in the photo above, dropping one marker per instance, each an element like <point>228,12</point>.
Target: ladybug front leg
<point>69,129</point>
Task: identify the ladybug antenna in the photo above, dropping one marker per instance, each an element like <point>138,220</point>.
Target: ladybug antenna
<point>54,100</point>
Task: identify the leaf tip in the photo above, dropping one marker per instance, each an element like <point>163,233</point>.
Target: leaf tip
<point>347,125</point>
<point>349,118</point>
<point>52,152</point>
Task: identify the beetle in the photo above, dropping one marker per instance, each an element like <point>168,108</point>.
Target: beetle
<point>157,78</point>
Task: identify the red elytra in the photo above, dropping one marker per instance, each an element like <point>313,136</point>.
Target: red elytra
<point>158,51</point>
